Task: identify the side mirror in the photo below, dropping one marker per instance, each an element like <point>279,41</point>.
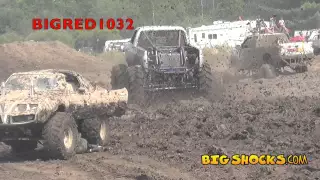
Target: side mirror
<point>81,90</point>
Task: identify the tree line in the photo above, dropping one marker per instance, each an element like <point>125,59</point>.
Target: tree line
<point>16,15</point>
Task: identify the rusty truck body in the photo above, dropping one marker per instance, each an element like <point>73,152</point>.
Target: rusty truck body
<point>56,107</point>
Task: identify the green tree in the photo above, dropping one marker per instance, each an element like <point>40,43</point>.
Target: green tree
<point>230,9</point>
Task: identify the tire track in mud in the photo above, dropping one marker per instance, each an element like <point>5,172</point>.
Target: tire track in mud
<point>106,166</point>
<point>37,170</point>
<point>179,132</point>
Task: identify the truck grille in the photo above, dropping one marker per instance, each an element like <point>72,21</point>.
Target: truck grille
<point>22,118</point>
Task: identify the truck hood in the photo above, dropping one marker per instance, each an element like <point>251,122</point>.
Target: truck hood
<point>296,48</point>
<point>27,104</point>
<point>13,96</point>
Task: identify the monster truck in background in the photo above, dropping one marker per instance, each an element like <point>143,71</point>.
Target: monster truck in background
<point>59,109</point>
<point>266,55</point>
<point>161,58</point>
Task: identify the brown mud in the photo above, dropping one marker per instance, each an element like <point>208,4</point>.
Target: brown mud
<point>165,140</point>
<point>26,56</point>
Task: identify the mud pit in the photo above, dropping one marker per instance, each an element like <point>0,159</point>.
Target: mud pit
<point>165,141</point>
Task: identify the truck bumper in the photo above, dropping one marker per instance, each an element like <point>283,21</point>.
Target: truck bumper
<point>23,131</point>
<point>298,56</point>
<point>17,120</point>
<point>24,124</point>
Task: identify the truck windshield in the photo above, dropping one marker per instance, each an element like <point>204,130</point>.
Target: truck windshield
<point>23,82</point>
<point>160,38</point>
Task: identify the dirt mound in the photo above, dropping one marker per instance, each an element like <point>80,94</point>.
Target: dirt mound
<point>25,56</point>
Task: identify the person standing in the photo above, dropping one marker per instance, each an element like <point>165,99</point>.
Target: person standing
<point>273,26</point>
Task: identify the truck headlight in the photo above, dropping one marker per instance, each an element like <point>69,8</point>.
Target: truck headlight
<point>21,108</point>
<point>25,107</point>
<point>33,106</point>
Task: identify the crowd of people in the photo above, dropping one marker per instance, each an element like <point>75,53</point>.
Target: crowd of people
<point>274,27</point>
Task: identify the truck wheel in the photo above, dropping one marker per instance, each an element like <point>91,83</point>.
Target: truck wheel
<point>301,69</point>
<point>136,85</point>
<point>95,131</point>
<point>267,71</point>
<point>119,76</point>
<point>61,135</point>
<point>205,78</point>
<point>21,146</point>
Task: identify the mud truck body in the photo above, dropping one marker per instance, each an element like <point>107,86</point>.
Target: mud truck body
<point>270,53</point>
<point>56,108</point>
<point>161,58</point>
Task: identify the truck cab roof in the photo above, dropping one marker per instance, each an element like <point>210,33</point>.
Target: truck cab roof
<point>163,28</point>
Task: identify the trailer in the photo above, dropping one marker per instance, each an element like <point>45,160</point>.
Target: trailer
<point>222,33</point>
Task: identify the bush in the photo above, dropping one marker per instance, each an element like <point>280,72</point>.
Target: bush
<point>114,57</point>
<point>52,35</point>
<point>10,37</point>
<point>94,38</point>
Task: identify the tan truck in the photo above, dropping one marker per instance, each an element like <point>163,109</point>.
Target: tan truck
<point>57,108</point>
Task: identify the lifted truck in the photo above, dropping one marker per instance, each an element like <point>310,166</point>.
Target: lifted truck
<point>161,58</point>
<point>267,54</point>
<point>59,109</point>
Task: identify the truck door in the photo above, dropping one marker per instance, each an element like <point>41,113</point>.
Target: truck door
<point>96,98</point>
<point>76,98</point>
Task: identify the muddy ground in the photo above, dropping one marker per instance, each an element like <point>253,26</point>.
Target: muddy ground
<point>165,140</point>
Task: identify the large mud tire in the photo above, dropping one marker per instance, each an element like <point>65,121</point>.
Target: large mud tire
<point>205,79</point>
<point>21,146</point>
<point>267,71</point>
<point>136,85</point>
<point>119,76</point>
<point>95,131</point>
<point>61,136</point>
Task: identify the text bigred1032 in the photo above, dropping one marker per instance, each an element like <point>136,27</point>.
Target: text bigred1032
<point>82,24</point>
